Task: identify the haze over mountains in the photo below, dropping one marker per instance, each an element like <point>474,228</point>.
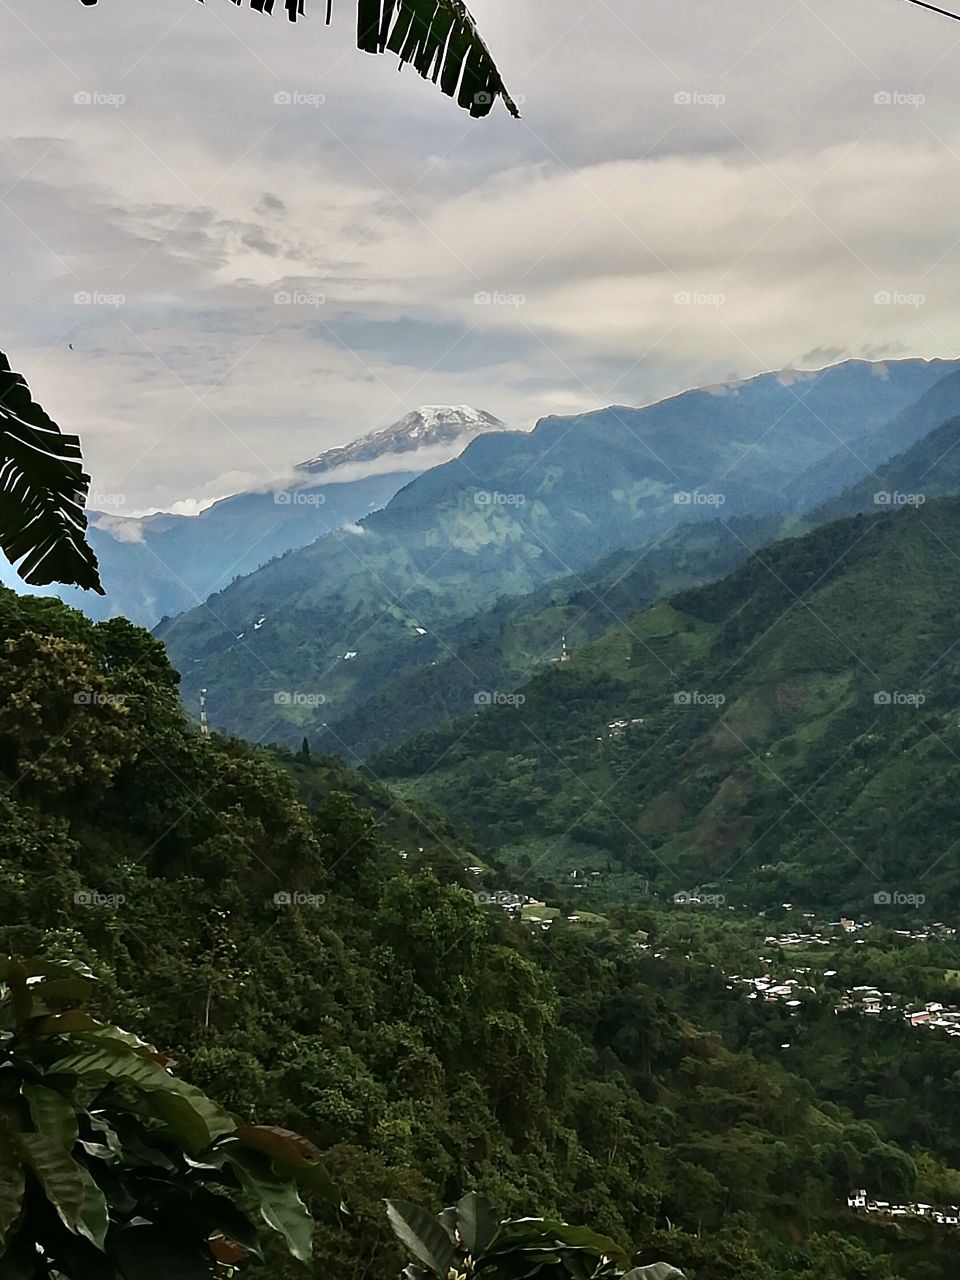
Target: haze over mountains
<point>162,564</point>
<point>306,640</point>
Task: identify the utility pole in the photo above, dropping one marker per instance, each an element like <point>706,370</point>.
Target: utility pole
<point>204,726</point>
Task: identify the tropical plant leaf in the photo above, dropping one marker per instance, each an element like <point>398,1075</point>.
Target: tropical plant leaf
<point>278,1202</point>
<point>292,1155</point>
<point>439,38</point>
<point>476,1223</point>
<point>656,1271</point>
<point>57,990</point>
<point>53,1115</point>
<point>60,1024</point>
<point>422,1234</point>
<point>43,489</point>
<point>59,1175</point>
<point>199,1119</point>
<point>12,1185</point>
<point>94,1216</point>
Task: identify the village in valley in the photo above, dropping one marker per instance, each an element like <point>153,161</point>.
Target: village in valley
<point>772,983</point>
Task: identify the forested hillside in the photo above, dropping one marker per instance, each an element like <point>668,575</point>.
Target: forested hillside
<point>326,968</point>
<point>792,728</point>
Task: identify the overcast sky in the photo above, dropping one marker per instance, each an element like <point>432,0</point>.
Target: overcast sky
<point>779,163</point>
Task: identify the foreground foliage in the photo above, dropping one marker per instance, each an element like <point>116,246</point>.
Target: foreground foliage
<point>437,37</point>
<point>113,1167</point>
<point>467,1239</point>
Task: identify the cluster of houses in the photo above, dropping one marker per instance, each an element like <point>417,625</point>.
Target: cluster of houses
<point>767,988</point>
<point>872,1002</point>
<point>860,1202</point>
<point>521,906</point>
<point>864,1000</point>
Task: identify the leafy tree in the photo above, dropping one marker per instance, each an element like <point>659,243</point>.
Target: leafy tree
<point>113,1168</point>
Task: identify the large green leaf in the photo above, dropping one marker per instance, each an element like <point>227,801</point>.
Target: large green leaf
<point>476,1223</point>
<point>53,1114</point>
<point>59,1024</point>
<point>61,990</point>
<point>43,489</point>
<point>439,38</point>
<point>59,1175</point>
<point>278,1202</point>
<point>198,1119</point>
<point>94,1216</point>
<point>292,1155</point>
<point>535,1233</point>
<point>422,1234</point>
<point>12,1183</point>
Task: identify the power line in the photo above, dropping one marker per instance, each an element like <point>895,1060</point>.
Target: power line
<point>922,4</point>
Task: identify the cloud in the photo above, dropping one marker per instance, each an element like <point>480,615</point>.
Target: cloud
<point>741,160</point>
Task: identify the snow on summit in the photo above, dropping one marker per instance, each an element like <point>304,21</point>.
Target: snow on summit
<point>426,437</point>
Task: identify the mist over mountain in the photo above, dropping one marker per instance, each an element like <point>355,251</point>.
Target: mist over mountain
<point>163,564</point>
<point>329,624</point>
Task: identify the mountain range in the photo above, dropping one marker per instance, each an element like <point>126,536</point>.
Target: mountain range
<point>313,641</point>
<point>163,564</point>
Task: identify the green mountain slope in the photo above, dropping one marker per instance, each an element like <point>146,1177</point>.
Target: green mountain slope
<point>492,655</point>
<point>310,970</point>
<point>497,651</point>
<point>278,650</point>
<point>792,729</point>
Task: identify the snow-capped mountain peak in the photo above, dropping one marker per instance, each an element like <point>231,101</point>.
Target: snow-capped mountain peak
<point>427,436</point>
